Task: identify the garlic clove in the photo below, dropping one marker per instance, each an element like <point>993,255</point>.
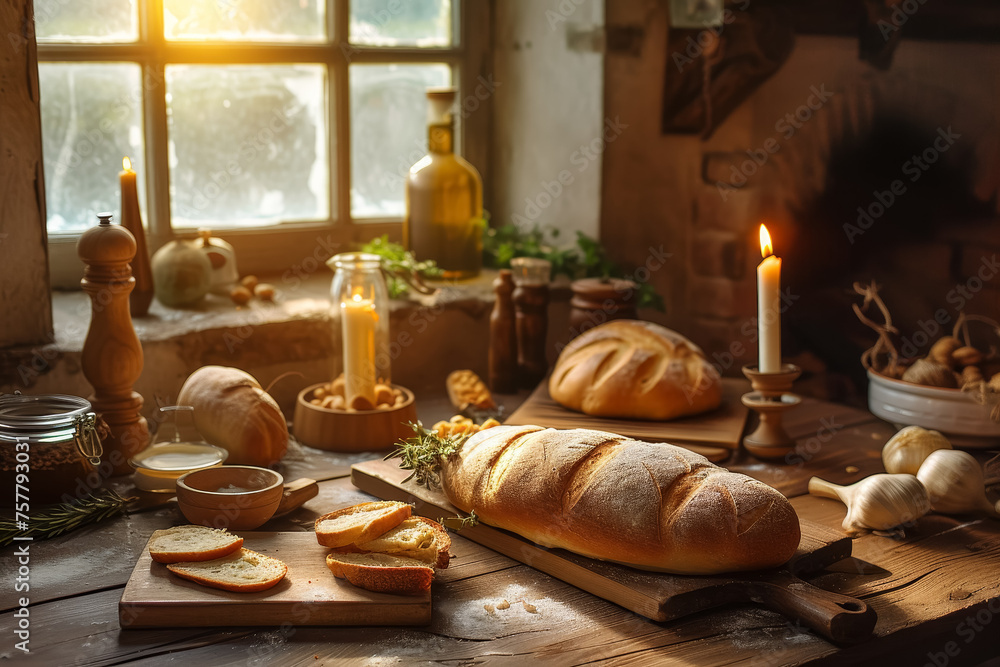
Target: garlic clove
<point>955,484</point>
<point>879,502</point>
<point>905,451</point>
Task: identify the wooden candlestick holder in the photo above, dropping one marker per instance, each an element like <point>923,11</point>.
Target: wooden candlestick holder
<point>770,398</point>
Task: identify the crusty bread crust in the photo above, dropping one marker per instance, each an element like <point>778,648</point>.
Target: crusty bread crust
<point>651,506</point>
<point>382,573</point>
<point>245,571</point>
<point>192,543</point>
<point>635,370</point>
<point>336,530</point>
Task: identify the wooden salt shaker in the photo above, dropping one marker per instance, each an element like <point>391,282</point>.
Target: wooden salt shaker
<point>503,337</point>
<point>112,355</point>
<point>531,317</point>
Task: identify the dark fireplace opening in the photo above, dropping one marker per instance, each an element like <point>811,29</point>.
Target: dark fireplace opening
<point>897,207</point>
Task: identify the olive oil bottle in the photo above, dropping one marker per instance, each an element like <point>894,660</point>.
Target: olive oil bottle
<point>444,198</point>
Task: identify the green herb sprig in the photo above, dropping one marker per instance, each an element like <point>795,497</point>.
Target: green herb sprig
<point>98,506</point>
<point>397,261</point>
<point>423,454</point>
<point>459,522</point>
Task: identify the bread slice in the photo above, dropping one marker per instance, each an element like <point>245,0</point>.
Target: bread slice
<point>382,573</point>
<point>360,523</point>
<point>245,571</point>
<point>417,537</point>
<point>192,543</point>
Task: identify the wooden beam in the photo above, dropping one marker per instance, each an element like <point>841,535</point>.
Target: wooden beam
<point>25,299</point>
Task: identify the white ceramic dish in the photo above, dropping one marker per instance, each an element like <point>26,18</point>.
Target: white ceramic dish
<point>966,423</point>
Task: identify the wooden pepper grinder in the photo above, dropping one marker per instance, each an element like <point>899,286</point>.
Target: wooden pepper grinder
<point>531,316</point>
<point>112,355</point>
<point>503,337</point>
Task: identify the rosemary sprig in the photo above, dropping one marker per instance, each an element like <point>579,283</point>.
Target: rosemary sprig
<point>424,452</point>
<point>98,506</point>
<point>459,522</point>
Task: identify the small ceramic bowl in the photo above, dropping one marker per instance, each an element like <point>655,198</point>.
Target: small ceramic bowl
<point>232,497</point>
<point>953,412</point>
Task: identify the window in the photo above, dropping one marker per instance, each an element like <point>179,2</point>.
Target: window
<point>250,117</point>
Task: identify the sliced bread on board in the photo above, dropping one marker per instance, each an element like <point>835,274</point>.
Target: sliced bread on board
<point>360,523</point>
<point>417,537</point>
<point>192,543</point>
<point>382,573</point>
<point>245,571</point>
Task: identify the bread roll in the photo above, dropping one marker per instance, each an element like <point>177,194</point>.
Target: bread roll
<point>633,369</point>
<point>651,506</point>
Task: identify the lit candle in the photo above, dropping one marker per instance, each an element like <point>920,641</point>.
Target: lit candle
<point>130,198</point>
<point>768,306</point>
<point>131,220</point>
<point>359,320</point>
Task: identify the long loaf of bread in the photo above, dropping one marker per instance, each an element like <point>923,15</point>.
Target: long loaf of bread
<point>651,506</point>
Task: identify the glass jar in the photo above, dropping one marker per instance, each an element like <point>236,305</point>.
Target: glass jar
<point>360,310</point>
<point>52,440</point>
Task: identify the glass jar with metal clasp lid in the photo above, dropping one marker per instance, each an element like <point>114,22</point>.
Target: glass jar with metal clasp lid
<point>48,447</point>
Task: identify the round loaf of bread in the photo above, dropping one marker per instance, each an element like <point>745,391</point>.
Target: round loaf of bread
<point>651,506</point>
<point>634,370</point>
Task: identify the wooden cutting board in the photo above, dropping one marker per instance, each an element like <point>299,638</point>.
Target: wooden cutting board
<point>661,597</point>
<point>712,434</point>
<point>308,595</point>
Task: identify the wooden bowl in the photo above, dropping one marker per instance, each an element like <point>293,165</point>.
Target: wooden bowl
<point>355,431</point>
<point>232,497</point>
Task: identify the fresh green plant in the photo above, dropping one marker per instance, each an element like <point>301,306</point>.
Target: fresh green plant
<point>397,261</point>
<point>587,259</point>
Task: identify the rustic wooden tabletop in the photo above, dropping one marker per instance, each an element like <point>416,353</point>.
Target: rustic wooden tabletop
<point>936,591</point>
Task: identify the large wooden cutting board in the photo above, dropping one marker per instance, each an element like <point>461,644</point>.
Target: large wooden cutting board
<point>308,595</point>
<point>712,434</point>
<point>661,597</point>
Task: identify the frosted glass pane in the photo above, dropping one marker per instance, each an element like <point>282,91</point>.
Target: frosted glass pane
<point>245,20</point>
<point>91,118</point>
<point>401,23</point>
<point>388,132</point>
<point>247,144</point>
<point>86,21</point>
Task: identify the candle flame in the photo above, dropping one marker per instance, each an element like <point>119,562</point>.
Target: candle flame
<point>126,163</point>
<point>357,297</point>
<point>766,249</point>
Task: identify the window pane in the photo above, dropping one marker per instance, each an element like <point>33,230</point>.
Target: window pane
<point>91,118</point>
<point>245,20</point>
<point>388,132</point>
<point>248,144</point>
<point>86,21</point>
<point>401,23</point>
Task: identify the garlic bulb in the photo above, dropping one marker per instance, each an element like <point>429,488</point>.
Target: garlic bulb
<point>906,450</point>
<point>879,502</point>
<point>955,484</point>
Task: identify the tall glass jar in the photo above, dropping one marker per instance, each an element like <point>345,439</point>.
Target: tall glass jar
<point>360,310</point>
<point>49,445</point>
<point>444,198</point>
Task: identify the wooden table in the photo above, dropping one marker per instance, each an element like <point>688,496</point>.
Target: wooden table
<point>937,592</point>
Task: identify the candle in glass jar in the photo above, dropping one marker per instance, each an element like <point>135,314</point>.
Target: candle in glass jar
<point>768,306</point>
<point>359,320</point>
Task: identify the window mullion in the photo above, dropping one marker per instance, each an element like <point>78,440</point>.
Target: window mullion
<point>340,107</point>
<point>154,93</point>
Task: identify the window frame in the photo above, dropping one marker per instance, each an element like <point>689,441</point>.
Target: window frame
<point>469,57</point>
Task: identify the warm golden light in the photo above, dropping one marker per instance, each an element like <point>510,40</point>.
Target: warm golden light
<point>126,163</point>
<point>765,242</point>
